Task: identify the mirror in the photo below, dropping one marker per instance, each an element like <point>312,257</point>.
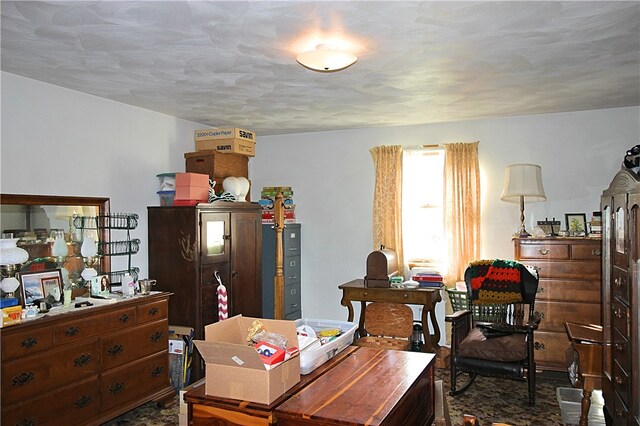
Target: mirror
<point>44,226</point>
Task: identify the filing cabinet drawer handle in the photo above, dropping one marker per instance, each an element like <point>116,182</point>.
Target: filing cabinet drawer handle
<point>124,318</point>
<point>23,379</point>
<point>153,311</point>
<point>29,342</point>
<point>596,252</point>
<point>543,251</point>
<point>157,336</point>
<point>157,371</point>
<point>83,401</point>
<point>82,360</point>
<point>116,388</point>
<point>71,331</point>
<point>538,346</point>
<point>115,350</point>
<point>293,277</point>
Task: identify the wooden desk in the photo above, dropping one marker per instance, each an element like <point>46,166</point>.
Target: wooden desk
<point>358,386</point>
<point>426,297</point>
<point>586,341</point>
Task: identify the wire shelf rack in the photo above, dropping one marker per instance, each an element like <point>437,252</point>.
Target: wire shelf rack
<point>119,248</point>
<point>111,221</point>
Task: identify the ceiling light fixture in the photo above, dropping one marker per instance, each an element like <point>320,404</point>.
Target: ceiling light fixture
<point>326,58</point>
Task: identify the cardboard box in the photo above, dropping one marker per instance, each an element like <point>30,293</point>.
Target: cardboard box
<point>229,133</point>
<point>235,370</point>
<point>232,146</point>
<point>192,179</point>
<point>183,405</point>
<point>217,165</point>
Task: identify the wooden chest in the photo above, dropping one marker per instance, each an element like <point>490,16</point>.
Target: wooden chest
<point>569,290</point>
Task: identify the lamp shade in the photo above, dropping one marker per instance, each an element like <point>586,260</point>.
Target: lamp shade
<point>10,254</point>
<point>325,58</point>
<point>523,180</point>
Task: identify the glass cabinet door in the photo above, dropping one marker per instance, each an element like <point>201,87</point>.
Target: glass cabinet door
<point>214,237</point>
<point>606,289</point>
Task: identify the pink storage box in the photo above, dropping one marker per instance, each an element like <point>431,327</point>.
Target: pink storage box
<point>192,180</point>
<point>192,193</point>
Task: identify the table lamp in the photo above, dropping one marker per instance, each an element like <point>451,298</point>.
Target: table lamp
<point>11,257</point>
<point>523,182</point>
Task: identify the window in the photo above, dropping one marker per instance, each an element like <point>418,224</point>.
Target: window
<point>422,207</point>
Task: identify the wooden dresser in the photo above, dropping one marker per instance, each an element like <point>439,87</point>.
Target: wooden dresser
<point>620,206</point>
<point>87,365</point>
<point>569,290</point>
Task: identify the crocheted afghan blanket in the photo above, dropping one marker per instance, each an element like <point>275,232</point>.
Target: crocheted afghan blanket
<point>496,281</point>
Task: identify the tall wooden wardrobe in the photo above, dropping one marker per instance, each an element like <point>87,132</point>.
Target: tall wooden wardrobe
<point>620,207</point>
<point>189,245</point>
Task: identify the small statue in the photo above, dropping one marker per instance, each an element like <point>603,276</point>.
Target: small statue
<point>255,328</point>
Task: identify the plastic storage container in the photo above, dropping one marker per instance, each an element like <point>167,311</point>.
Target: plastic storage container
<point>311,359</point>
<point>166,198</point>
<point>570,401</point>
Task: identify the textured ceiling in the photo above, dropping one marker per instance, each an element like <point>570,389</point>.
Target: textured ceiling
<point>233,63</point>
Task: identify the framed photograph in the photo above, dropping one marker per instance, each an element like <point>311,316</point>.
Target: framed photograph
<point>39,284</point>
<point>100,286</point>
<point>576,223</point>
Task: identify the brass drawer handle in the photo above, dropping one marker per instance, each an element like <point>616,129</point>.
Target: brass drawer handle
<point>619,347</point>
<point>115,350</point>
<point>596,252</point>
<point>617,282</point>
<point>23,379</point>
<point>540,290</point>
<point>538,346</point>
<point>116,388</point>
<point>157,371</point>
<point>124,318</point>
<point>543,251</point>
<point>618,313</point>
<point>541,314</point>
<point>153,311</point>
<point>71,331</point>
<point>82,360</point>
<point>406,296</point>
<point>157,336</point>
<point>83,401</point>
<point>620,381</point>
<point>29,342</point>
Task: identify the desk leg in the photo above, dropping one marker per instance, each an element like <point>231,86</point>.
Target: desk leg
<point>347,302</point>
<point>586,405</point>
<point>431,341</point>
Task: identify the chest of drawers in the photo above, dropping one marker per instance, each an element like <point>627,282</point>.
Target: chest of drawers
<point>86,366</point>
<point>569,290</point>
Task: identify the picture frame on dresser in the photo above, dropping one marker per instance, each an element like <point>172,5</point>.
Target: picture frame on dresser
<point>576,224</point>
<point>37,285</point>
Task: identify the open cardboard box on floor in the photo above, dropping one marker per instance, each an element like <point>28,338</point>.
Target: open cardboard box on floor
<point>234,370</point>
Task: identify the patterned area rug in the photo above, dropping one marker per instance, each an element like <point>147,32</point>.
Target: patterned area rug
<point>489,399</point>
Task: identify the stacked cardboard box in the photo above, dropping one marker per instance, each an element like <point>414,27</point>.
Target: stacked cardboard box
<point>231,140</point>
<point>191,189</point>
<point>267,202</point>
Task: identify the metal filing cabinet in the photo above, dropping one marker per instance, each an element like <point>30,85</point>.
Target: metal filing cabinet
<point>291,270</point>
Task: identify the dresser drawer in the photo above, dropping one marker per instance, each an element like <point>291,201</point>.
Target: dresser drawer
<point>621,383</point>
<point>550,349</point>
<point>93,325</point>
<point>556,314</point>
<point>122,385</point>
<point>133,344</point>
<point>573,290</point>
<point>586,252</point>
<point>566,269</point>
<point>21,379</point>
<point>621,352</point>
<point>544,251</point>
<point>73,405</point>
<point>19,342</point>
<point>153,311</point>
<point>621,318</point>
<point>620,285</point>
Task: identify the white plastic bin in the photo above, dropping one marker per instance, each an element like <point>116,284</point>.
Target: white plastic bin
<point>570,401</point>
<point>311,359</point>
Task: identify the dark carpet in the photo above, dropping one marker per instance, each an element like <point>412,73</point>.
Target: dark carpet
<point>489,399</point>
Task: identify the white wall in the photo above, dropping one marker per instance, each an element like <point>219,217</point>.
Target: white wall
<point>332,177</point>
<point>63,142</point>
<point>57,141</point>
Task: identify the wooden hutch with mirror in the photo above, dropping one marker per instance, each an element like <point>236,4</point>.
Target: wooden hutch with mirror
<point>78,365</point>
<point>620,206</point>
